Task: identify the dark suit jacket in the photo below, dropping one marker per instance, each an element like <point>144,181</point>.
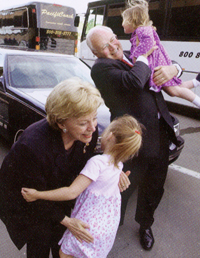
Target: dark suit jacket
<point>125,90</point>
<point>38,160</point>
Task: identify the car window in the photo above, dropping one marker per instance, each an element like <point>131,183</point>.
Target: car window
<point>32,72</point>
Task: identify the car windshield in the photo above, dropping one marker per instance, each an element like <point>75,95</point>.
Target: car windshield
<point>30,72</point>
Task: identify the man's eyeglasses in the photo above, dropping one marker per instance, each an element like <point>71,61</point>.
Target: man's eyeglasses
<point>112,40</point>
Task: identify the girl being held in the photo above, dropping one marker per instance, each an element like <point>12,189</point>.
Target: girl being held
<point>144,37</point>
<point>99,200</point>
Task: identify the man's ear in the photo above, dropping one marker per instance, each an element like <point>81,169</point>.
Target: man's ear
<point>95,53</point>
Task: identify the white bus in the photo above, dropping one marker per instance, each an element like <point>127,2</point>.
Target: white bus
<point>177,23</point>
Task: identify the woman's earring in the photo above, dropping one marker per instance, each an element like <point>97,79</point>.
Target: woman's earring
<point>64,130</point>
<point>84,148</point>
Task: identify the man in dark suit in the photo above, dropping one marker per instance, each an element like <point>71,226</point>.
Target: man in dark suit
<point>125,90</point>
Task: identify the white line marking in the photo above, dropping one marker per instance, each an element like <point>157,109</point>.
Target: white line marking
<point>185,171</point>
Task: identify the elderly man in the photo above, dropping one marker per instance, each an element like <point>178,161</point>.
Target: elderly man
<point>125,89</point>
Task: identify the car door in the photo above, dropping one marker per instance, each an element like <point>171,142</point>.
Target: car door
<point>3,100</point>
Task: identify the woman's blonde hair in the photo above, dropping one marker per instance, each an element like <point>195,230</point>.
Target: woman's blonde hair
<point>128,138</point>
<point>71,98</point>
<point>137,14</point>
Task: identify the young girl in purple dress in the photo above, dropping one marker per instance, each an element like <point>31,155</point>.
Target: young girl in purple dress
<point>144,37</point>
<point>99,200</point>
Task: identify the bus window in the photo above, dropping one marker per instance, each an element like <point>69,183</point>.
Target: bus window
<point>157,15</point>
<point>24,19</point>
<point>183,22</point>
<point>9,19</point>
<point>114,19</point>
<point>14,19</point>
<point>95,18</point>
<point>20,18</point>
<point>17,21</point>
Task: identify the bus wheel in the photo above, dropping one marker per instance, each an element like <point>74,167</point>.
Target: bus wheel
<point>18,134</point>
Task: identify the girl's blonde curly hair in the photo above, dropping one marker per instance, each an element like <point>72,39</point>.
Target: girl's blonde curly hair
<point>137,13</point>
<point>128,138</point>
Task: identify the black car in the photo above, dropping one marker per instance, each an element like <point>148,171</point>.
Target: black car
<point>27,78</point>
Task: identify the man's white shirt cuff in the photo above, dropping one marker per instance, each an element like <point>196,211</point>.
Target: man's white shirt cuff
<point>142,59</point>
<point>179,70</point>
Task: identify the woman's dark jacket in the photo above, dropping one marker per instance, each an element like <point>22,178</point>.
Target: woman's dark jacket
<point>38,160</point>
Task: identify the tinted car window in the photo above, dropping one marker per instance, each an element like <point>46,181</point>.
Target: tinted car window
<point>29,72</point>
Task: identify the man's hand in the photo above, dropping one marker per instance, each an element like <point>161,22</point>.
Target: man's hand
<point>124,181</point>
<point>78,228</point>
<point>163,74</point>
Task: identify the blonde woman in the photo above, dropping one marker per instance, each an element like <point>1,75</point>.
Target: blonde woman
<point>99,198</point>
<point>50,154</point>
<point>144,36</point>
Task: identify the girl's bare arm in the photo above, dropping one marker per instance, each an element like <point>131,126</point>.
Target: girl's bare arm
<point>60,194</point>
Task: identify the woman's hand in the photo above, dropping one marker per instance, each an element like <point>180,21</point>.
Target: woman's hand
<point>163,74</point>
<point>29,194</point>
<point>78,228</point>
<point>124,181</point>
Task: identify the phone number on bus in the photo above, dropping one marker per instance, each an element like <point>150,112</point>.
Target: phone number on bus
<point>188,54</point>
<point>57,32</point>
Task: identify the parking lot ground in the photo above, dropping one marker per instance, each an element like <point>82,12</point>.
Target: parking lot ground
<point>176,228</point>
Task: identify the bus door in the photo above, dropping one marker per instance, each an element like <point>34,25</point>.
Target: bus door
<point>94,16</point>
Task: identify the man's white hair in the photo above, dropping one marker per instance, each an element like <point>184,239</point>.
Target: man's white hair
<point>93,31</point>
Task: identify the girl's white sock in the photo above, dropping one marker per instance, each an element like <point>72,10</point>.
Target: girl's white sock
<point>196,83</point>
<point>196,101</point>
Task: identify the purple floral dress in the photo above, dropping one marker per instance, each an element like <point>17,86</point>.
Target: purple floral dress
<point>147,38</point>
<point>99,206</point>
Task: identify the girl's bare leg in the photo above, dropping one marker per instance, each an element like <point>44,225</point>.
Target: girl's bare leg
<point>187,84</point>
<point>181,92</point>
<point>191,84</point>
<point>62,255</point>
<point>184,93</point>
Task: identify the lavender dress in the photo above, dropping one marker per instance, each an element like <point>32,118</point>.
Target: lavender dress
<point>99,206</point>
<point>147,36</point>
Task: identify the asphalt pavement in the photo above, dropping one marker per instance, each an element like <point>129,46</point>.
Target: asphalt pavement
<point>176,227</point>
